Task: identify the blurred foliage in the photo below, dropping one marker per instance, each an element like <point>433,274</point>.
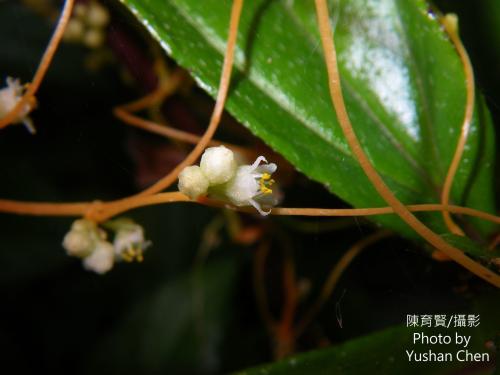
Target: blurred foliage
<point>173,314</point>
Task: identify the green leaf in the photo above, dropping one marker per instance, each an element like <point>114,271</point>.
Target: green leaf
<point>382,352</point>
<point>469,246</point>
<point>403,83</point>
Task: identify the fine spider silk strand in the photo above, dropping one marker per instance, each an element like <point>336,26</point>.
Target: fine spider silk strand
<point>399,208</point>
<point>464,132</point>
<point>334,277</point>
<point>43,66</point>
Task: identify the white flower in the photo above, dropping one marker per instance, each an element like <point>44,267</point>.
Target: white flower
<point>88,24</point>
<point>97,15</point>
<point>218,164</point>
<point>251,186</point>
<point>220,176</point>
<point>129,243</point>
<point>77,244</point>
<point>74,30</point>
<point>101,259</point>
<point>9,97</point>
<point>93,38</point>
<point>193,182</point>
<point>82,238</point>
<point>87,241</point>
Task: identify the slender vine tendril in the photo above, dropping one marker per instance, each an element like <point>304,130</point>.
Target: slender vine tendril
<point>450,26</point>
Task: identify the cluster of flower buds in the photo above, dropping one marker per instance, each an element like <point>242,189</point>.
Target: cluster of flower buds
<point>88,24</point>
<point>220,176</point>
<point>9,97</point>
<point>89,242</point>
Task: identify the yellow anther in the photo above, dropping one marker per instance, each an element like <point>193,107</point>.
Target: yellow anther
<point>264,189</point>
<point>265,182</point>
<point>265,176</point>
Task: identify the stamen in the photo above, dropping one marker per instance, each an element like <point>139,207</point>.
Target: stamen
<point>257,161</point>
<point>265,182</point>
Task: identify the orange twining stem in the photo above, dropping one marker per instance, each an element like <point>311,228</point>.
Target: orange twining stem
<point>112,208</point>
<point>450,28</point>
<point>170,132</point>
<point>42,67</point>
<point>124,113</point>
<point>399,208</point>
<point>166,87</point>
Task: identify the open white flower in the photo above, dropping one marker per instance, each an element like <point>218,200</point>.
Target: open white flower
<point>101,259</point>
<point>129,243</point>
<point>9,97</point>
<point>218,164</point>
<point>251,186</point>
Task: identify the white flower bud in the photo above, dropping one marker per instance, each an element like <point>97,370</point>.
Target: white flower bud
<point>83,225</point>
<point>101,259</point>
<point>80,10</point>
<point>218,164</point>
<point>82,238</point>
<point>74,31</point>
<point>93,38</point>
<point>97,15</point>
<point>193,182</point>
<point>78,243</point>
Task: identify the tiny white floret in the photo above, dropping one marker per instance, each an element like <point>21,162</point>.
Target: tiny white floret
<point>101,259</point>
<point>251,186</point>
<point>97,15</point>
<point>74,30</point>
<point>93,38</point>
<point>218,164</point>
<point>193,182</point>
<point>129,242</point>
<point>9,97</point>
